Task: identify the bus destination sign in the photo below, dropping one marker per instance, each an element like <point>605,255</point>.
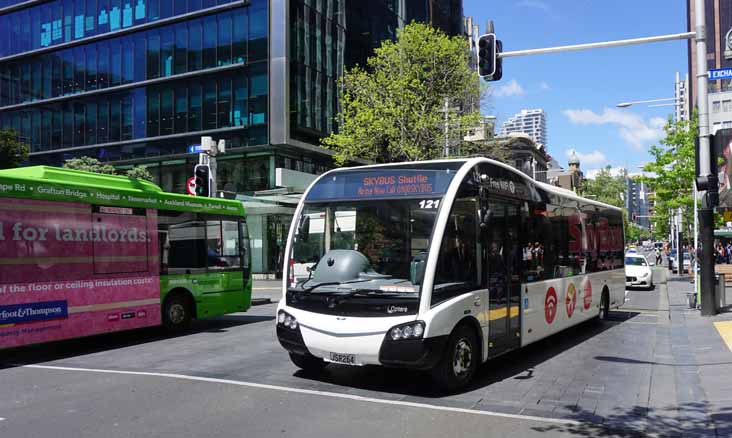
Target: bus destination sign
<point>395,185</point>
<point>398,183</point>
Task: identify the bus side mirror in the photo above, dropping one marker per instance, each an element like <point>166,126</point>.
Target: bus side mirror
<point>303,230</point>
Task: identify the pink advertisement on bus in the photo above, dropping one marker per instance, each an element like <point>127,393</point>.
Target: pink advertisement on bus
<point>69,270</point>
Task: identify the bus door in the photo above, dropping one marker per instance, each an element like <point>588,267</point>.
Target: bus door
<point>503,254</point>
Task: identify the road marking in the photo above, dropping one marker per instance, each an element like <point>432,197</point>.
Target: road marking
<point>266,288</point>
<point>310,392</point>
<point>725,331</point>
<point>2,419</point>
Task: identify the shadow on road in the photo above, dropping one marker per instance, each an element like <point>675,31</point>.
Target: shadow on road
<point>685,419</point>
<point>518,364</point>
<point>78,347</point>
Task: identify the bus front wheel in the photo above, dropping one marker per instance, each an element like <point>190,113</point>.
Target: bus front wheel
<point>460,361</point>
<point>177,312</point>
<point>308,362</point>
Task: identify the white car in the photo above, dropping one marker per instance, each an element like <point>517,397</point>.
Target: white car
<point>638,271</point>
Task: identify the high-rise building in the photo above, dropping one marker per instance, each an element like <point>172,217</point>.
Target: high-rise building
<point>719,55</point>
<point>138,81</point>
<point>681,97</point>
<point>529,121</point>
<point>637,201</point>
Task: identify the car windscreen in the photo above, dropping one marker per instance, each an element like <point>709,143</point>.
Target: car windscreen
<point>635,261</point>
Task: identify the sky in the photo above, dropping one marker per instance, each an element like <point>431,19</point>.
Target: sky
<point>579,90</point>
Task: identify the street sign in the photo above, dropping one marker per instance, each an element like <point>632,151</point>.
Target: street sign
<point>195,148</point>
<point>191,186</point>
<point>722,73</point>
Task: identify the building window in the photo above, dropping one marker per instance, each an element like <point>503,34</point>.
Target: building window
<point>727,105</point>
<point>716,107</point>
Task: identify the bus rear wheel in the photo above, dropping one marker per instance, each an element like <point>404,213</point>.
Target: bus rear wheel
<point>602,315</point>
<point>308,362</point>
<point>460,361</point>
<point>177,312</point>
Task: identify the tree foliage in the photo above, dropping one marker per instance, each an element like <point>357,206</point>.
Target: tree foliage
<point>393,109</point>
<point>605,188</point>
<point>611,190</point>
<point>89,164</point>
<point>140,172</point>
<point>673,166</point>
<point>12,151</point>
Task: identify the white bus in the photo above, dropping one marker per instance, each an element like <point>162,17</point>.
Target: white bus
<point>442,265</point>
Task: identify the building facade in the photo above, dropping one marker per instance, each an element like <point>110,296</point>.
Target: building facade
<point>136,82</point>
<point>637,202</point>
<point>529,121</point>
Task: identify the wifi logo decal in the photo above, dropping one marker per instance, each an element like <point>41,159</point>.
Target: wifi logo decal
<point>550,305</point>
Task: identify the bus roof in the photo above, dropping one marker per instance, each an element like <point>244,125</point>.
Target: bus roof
<point>58,184</point>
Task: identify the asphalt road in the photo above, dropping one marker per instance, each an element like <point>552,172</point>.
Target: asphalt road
<point>230,377</point>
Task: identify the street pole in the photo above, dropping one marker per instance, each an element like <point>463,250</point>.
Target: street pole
<point>447,128</point>
<point>696,240</point>
<point>706,214</point>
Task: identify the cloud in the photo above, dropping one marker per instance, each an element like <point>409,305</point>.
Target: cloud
<point>543,86</point>
<point>594,157</point>
<point>512,88</point>
<point>632,128</point>
<point>535,4</point>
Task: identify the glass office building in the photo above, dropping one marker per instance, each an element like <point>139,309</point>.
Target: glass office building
<point>138,81</point>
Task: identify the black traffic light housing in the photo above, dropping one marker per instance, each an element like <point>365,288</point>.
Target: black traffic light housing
<point>202,175</point>
<point>490,66</point>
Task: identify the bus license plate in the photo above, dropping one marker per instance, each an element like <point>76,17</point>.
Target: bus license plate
<point>347,359</point>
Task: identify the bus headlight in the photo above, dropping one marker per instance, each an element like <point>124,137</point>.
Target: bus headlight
<point>286,320</point>
<point>411,330</point>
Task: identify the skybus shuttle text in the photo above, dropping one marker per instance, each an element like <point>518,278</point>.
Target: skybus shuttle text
<point>442,265</point>
<point>84,254</point>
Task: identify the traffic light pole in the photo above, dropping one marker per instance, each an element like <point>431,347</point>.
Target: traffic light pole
<point>706,214</point>
<point>705,179</point>
<point>616,43</point>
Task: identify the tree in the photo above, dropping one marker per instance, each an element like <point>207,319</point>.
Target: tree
<point>140,172</point>
<point>12,151</point>
<point>89,164</point>
<point>673,166</point>
<point>605,188</point>
<point>394,109</point>
<point>611,190</point>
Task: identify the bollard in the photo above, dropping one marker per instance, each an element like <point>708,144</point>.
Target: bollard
<point>720,298</point>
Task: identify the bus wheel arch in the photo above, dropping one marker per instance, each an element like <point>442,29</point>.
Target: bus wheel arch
<point>462,356</point>
<point>178,309</point>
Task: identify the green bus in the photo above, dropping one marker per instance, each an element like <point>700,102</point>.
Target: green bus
<point>84,253</point>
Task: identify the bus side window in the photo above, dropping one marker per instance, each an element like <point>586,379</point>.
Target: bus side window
<point>182,242</point>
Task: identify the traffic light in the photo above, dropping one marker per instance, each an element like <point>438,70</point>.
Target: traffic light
<point>202,174</point>
<point>490,66</point>
<point>487,55</point>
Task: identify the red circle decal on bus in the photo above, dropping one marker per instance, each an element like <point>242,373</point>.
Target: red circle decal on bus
<point>550,305</point>
<point>587,298</point>
<point>571,300</point>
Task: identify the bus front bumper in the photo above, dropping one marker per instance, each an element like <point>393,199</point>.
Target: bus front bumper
<point>374,348</point>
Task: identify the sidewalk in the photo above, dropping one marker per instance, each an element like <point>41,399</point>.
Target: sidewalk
<point>266,291</point>
<point>691,350</point>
